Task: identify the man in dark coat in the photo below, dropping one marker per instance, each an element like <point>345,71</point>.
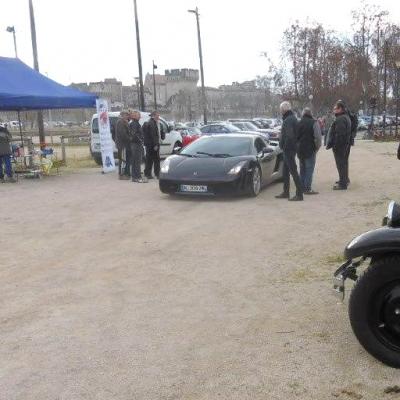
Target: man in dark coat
<point>339,140</point>
<point>152,139</point>
<point>136,137</point>
<point>288,143</point>
<point>5,155</point>
<point>123,143</point>
<point>309,142</point>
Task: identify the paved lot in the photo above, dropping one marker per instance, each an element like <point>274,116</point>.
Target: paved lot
<point>111,290</point>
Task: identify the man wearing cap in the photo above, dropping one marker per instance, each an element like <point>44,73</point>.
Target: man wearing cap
<point>339,140</point>
<point>288,142</point>
<point>152,144</point>
<point>123,143</point>
<point>5,155</point>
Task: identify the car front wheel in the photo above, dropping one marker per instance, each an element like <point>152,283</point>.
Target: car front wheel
<point>374,310</point>
<point>255,182</point>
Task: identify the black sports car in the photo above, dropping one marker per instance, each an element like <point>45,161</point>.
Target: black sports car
<point>222,164</point>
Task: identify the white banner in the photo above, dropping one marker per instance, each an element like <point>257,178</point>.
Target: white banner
<point>106,142</point>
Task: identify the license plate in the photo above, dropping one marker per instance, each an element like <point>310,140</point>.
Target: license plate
<point>339,280</point>
<point>338,286</point>
<point>194,188</point>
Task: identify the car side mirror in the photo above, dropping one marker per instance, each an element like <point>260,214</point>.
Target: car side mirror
<point>267,150</point>
<point>170,128</point>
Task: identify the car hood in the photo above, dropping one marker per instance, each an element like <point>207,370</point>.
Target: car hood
<point>182,167</point>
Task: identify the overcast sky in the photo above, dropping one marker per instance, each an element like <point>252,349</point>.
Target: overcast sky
<point>89,40</point>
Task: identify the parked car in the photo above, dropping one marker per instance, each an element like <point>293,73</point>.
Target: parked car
<point>194,124</point>
<point>269,122</point>
<point>219,127</point>
<point>362,124</point>
<point>14,124</point>
<point>235,163</point>
<point>178,125</point>
<point>171,144</point>
<point>250,127</point>
<point>189,135</point>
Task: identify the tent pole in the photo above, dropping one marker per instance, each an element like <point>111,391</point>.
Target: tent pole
<point>20,133</point>
<point>20,128</point>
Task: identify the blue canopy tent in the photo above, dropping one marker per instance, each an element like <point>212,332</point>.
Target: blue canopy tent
<point>23,88</point>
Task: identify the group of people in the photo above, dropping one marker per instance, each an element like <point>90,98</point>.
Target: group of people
<point>304,138</point>
<point>131,139</point>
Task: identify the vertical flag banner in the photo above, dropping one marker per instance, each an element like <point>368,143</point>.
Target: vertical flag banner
<point>106,142</point>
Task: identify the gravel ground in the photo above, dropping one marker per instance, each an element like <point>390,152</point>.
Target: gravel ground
<point>111,290</point>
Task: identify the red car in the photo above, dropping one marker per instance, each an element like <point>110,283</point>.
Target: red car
<point>189,135</point>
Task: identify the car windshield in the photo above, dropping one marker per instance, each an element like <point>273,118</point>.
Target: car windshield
<point>265,123</point>
<point>217,146</point>
<point>232,128</point>
<point>257,124</point>
<point>239,125</point>
<point>250,126</point>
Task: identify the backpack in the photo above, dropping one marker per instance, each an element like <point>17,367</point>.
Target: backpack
<point>112,130</point>
<point>354,124</point>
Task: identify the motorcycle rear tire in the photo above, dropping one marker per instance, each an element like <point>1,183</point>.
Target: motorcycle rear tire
<point>380,274</point>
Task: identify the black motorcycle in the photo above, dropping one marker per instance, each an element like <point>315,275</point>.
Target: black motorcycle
<point>374,304</point>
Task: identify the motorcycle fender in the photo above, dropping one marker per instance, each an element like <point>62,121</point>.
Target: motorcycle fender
<point>382,240</point>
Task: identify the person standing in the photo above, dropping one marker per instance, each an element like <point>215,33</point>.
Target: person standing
<point>136,135</point>
<point>309,142</point>
<point>339,140</point>
<point>5,155</point>
<point>123,143</point>
<point>288,144</point>
<point>152,138</point>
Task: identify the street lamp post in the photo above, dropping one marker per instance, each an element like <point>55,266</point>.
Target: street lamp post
<point>11,29</point>
<point>154,86</point>
<point>139,54</point>
<point>397,93</point>
<point>138,90</point>
<point>42,138</point>
<point>203,92</point>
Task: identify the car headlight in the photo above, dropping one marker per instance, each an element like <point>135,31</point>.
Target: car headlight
<point>165,166</point>
<point>237,168</point>
<point>393,215</point>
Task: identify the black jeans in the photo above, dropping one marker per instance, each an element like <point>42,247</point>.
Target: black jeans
<point>124,165</point>
<point>290,168</point>
<point>342,165</point>
<point>136,160</point>
<point>152,158</point>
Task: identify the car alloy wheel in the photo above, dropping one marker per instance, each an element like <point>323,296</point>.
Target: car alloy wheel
<point>374,309</point>
<point>256,181</point>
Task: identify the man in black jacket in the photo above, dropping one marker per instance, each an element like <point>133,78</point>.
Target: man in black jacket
<point>288,143</point>
<point>339,140</point>
<point>5,154</point>
<point>309,142</point>
<point>152,143</point>
<point>136,137</point>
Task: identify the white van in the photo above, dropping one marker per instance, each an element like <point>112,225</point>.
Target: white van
<point>168,146</point>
